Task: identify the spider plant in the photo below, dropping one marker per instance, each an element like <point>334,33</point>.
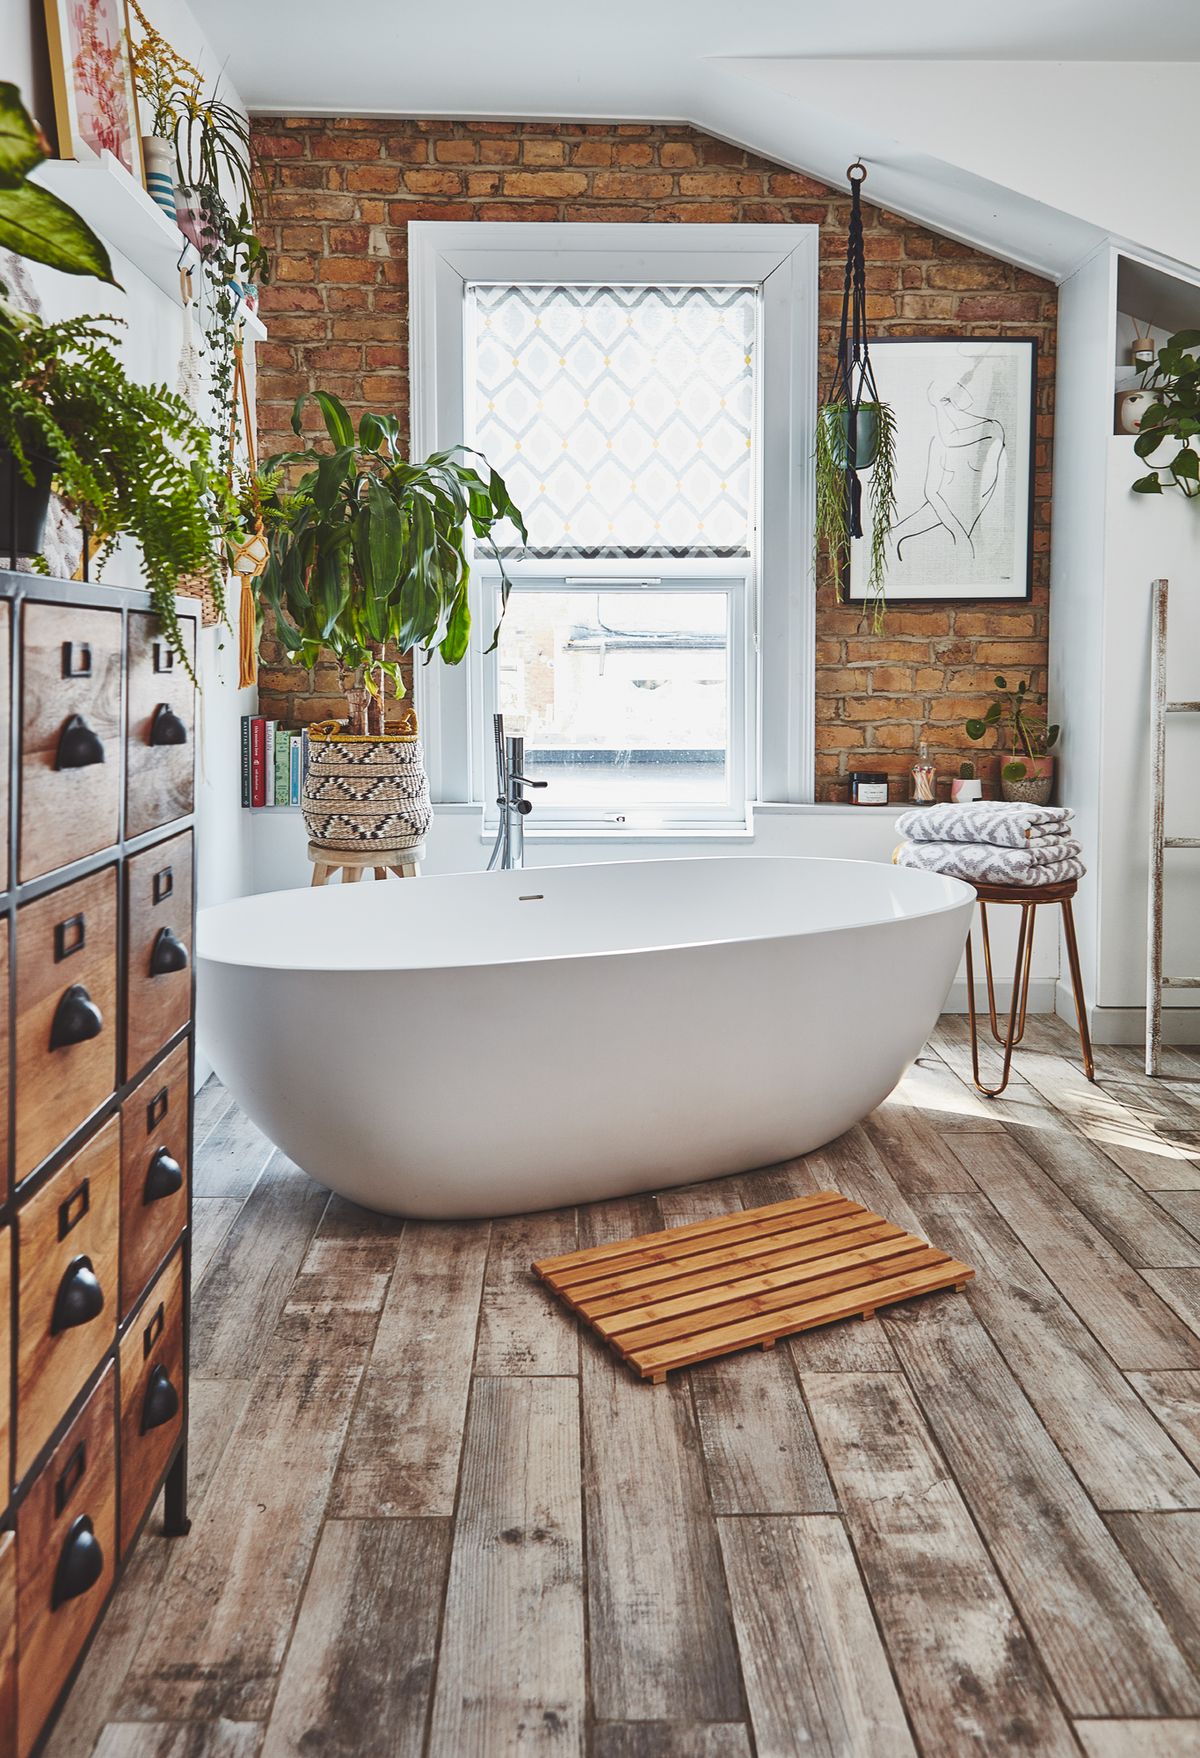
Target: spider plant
<point>839,490</point>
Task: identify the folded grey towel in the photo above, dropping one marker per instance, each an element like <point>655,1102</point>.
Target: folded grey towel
<point>1004,823</point>
<point>993,865</point>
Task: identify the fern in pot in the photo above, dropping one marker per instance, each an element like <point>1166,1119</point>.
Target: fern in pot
<point>368,562</point>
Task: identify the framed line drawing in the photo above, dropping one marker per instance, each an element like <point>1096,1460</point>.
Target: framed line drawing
<point>94,99</point>
<point>965,426</point>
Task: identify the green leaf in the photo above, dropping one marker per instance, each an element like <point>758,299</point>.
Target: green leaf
<point>975,729</point>
<point>1014,771</point>
<point>34,223</point>
<point>1186,464</point>
<point>1148,484</point>
<point>20,144</point>
<point>370,432</point>
<point>1000,683</point>
<point>458,629</point>
<point>337,422</point>
<point>993,713</point>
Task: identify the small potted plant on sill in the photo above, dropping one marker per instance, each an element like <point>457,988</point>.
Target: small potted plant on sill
<point>1028,774</point>
<point>368,562</point>
<point>965,786</point>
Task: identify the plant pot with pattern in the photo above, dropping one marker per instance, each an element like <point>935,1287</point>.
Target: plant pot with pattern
<point>369,561</point>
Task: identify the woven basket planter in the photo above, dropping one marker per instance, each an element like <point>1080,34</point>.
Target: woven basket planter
<point>366,793</point>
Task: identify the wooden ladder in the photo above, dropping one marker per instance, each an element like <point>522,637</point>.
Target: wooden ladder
<point>1160,842</point>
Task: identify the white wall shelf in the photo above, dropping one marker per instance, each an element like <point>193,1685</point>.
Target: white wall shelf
<point>116,206</point>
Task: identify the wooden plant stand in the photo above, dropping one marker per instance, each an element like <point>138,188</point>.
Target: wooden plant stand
<point>685,1294</point>
<point>328,861</point>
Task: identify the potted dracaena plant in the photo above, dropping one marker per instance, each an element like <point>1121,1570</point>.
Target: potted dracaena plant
<point>1019,714</point>
<point>368,562</point>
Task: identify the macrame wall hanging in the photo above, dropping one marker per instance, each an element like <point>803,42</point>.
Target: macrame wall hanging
<point>856,432</point>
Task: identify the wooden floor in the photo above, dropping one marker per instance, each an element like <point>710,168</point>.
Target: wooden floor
<point>430,1517</point>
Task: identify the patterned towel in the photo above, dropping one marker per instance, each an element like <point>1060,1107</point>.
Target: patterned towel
<point>996,866</point>
<point>1004,823</point>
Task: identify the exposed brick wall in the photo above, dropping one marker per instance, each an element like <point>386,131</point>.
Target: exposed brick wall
<point>339,195</point>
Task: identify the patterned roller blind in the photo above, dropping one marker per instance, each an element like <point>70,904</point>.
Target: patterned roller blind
<point>622,418</point>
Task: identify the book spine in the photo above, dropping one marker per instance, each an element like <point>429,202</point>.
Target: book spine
<point>245,759</point>
<point>258,761</point>
<point>269,777</point>
<point>294,769</point>
<point>305,752</point>
<point>283,765</point>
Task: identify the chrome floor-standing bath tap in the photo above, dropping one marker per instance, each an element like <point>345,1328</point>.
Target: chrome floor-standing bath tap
<point>509,849</point>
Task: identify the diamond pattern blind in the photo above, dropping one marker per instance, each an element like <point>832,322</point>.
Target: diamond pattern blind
<point>621,418</point>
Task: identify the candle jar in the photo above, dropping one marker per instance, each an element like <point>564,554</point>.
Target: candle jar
<point>868,788</point>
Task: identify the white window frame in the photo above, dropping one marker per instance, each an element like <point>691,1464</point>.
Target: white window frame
<point>774,687</point>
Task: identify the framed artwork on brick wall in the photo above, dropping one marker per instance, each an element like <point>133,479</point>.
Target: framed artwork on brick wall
<point>964,408</point>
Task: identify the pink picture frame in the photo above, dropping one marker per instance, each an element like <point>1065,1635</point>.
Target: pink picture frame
<point>94,98</point>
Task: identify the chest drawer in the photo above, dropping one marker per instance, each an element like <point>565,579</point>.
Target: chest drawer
<point>66,1286</point>
<point>5,724</point>
<point>151,1394</point>
<point>5,956</point>
<point>70,734</point>
<point>8,1644</point>
<point>160,759</point>
<point>66,1018</point>
<point>66,1552</point>
<point>154,1171</point>
<point>6,1342</point>
<point>158,887</point>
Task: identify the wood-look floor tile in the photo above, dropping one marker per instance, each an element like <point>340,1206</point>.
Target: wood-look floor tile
<point>362,1655</point>
<point>970,1678</point>
<point>1139,1739</point>
<point>817,1677</point>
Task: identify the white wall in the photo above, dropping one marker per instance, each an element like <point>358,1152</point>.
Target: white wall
<point>150,348</point>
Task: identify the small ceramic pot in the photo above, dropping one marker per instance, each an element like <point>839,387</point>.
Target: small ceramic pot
<point>964,789</point>
<point>866,434</point>
<point>1131,406</point>
<point>158,157</point>
<point>1034,787</point>
<point>196,211</point>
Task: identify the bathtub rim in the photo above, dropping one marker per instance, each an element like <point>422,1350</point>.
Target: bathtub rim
<point>956,893</point>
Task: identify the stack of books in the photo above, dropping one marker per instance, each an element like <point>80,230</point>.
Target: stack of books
<point>274,762</point>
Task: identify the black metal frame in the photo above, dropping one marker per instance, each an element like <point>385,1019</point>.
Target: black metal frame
<point>16,590</point>
<point>950,338</point>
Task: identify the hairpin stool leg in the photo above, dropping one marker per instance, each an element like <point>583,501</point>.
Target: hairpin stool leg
<point>1085,1037</point>
<point>1016,1008</point>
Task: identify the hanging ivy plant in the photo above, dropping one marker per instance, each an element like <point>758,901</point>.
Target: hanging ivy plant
<point>1173,417</point>
<point>856,433</point>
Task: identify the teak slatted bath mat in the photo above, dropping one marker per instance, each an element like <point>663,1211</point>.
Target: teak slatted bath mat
<point>685,1294</point>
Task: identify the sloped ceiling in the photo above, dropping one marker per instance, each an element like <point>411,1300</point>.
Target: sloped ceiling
<point>984,122</point>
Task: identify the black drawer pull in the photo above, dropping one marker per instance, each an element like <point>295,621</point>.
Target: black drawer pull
<point>76,1019</point>
<point>168,954</point>
<point>80,1297</point>
<point>161,1402</point>
<point>153,1330</point>
<point>78,746</point>
<point>76,928</point>
<point>166,728</point>
<point>77,668</point>
<point>70,1478</point>
<point>164,657</point>
<point>157,1109</point>
<point>80,1563</point>
<point>164,1177</point>
<point>163,885</point>
<point>73,1208</point>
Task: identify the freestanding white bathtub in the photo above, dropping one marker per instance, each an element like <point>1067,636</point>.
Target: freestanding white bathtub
<point>488,1043</point>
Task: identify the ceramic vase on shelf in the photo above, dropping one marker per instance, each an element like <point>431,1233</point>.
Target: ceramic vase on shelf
<point>158,156</point>
<point>964,789</point>
<point>1131,406</point>
<point>1034,787</point>
<point>196,212</point>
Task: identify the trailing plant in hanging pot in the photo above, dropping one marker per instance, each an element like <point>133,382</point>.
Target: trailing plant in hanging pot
<point>369,561</point>
<point>856,434</point>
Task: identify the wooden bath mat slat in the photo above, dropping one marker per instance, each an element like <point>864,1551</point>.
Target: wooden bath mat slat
<point>686,1294</point>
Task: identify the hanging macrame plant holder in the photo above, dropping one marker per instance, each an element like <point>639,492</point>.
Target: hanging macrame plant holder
<point>856,430</point>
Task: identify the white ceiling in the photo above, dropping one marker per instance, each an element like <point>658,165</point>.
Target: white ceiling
<point>710,63</point>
